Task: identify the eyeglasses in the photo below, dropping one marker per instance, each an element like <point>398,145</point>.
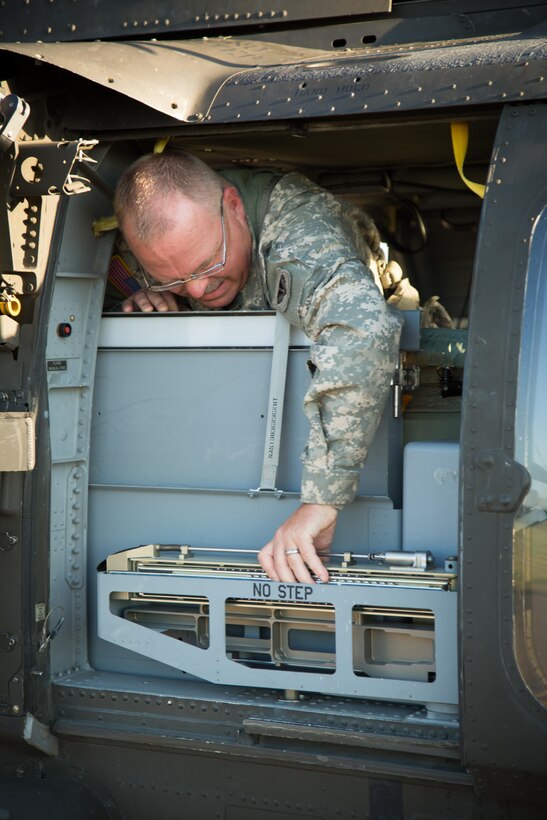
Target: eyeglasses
<point>155,286</point>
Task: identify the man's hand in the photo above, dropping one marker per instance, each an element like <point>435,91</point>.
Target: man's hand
<point>149,300</point>
<point>309,531</point>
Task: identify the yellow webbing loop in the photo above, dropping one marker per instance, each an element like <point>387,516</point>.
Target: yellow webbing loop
<point>160,145</point>
<point>110,223</point>
<point>460,136</point>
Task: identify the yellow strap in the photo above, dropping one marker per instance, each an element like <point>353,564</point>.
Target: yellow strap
<point>160,145</point>
<point>104,223</point>
<point>460,135</point>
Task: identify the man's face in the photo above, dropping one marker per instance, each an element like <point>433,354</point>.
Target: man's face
<point>192,243</point>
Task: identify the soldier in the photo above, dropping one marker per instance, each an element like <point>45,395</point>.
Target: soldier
<point>259,240</point>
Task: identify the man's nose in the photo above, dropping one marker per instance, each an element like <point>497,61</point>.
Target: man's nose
<point>197,287</point>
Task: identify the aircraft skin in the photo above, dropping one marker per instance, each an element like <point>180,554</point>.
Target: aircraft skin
<point>159,681</point>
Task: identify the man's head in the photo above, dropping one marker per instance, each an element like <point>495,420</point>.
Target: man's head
<point>182,220</point>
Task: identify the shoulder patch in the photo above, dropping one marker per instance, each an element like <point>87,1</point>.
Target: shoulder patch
<point>282,291</point>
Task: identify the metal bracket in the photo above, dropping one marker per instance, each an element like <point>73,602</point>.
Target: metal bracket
<point>14,112</point>
<point>49,168</point>
<point>274,492</point>
<point>502,482</point>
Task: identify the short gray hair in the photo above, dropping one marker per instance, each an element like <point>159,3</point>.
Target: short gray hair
<point>142,187</point>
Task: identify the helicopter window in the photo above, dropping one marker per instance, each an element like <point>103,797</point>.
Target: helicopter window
<point>530,530</point>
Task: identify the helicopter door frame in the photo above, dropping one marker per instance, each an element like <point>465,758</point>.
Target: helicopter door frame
<point>503,723</point>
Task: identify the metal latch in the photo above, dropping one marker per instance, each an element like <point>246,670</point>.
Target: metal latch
<point>7,642</point>
<point>14,112</point>
<point>7,541</point>
<point>503,482</point>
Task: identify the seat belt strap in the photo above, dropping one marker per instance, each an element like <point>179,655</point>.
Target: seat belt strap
<point>278,378</point>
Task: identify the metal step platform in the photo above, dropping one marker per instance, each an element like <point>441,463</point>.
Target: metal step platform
<point>383,627</point>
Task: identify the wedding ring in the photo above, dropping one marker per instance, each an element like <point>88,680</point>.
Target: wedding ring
<point>294,551</point>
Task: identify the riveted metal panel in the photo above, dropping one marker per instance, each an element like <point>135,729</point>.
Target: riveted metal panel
<point>69,21</point>
<point>229,81</point>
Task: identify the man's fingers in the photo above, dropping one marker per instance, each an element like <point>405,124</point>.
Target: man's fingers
<point>148,301</point>
<point>308,558</point>
<point>298,568</point>
<point>163,302</point>
<point>267,562</point>
<point>292,554</point>
<point>290,564</point>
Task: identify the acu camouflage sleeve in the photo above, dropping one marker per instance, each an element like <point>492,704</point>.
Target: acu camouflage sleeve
<point>354,335</point>
<point>354,351</point>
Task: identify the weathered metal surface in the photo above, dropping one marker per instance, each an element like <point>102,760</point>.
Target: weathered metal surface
<point>67,20</point>
<point>225,80</point>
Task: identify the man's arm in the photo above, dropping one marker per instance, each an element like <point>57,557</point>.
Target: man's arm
<point>353,356</point>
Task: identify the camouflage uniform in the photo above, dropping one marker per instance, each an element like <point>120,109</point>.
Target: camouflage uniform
<point>315,259</point>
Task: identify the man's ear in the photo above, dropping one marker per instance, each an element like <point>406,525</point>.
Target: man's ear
<point>234,203</point>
